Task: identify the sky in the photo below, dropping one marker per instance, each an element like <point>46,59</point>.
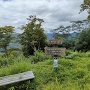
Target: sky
<point>53,12</point>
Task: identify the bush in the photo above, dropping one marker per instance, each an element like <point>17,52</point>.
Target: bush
<point>16,68</point>
<point>5,61</point>
<point>39,56</point>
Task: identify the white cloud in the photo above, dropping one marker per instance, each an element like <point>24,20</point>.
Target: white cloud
<point>54,12</point>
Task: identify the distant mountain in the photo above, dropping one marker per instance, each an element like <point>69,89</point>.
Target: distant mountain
<point>74,34</point>
<point>15,44</point>
<point>50,36</point>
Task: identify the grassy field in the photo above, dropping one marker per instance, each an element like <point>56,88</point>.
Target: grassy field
<point>73,72</point>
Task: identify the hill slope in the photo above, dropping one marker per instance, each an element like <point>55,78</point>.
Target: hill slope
<point>73,72</point>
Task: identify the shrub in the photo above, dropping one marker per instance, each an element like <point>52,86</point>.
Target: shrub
<point>16,68</point>
<point>39,56</point>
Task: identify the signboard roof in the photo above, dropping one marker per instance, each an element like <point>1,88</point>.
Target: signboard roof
<point>56,41</point>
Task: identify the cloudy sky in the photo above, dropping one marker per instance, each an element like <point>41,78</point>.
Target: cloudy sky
<point>53,12</point>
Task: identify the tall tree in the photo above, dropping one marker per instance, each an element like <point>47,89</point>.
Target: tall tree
<point>5,37</point>
<point>33,37</point>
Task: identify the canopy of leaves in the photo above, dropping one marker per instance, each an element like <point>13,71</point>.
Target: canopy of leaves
<point>86,6</point>
<point>83,41</point>
<point>5,36</point>
<point>33,37</point>
<point>76,26</point>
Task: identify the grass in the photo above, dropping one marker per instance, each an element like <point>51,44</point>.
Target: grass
<point>15,68</point>
<point>71,74</point>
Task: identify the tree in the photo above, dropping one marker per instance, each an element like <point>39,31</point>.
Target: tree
<point>77,25</point>
<point>62,29</point>
<point>33,37</point>
<point>83,41</point>
<point>86,6</point>
<point>5,37</point>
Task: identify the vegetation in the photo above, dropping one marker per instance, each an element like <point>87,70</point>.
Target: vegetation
<point>70,39</point>
<point>5,37</point>
<point>33,37</point>
<point>83,42</point>
<point>86,6</point>
<point>72,72</point>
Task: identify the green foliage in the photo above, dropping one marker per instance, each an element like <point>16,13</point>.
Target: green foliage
<point>69,40</point>
<point>83,42</point>
<point>10,60</point>
<point>57,86</point>
<point>5,37</point>
<point>39,56</point>
<point>14,69</point>
<point>15,52</point>
<point>76,55</point>
<point>69,44</point>
<point>33,37</point>
<point>71,74</point>
<point>86,6</point>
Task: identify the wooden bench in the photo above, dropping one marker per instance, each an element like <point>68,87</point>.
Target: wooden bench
<point>16,78</point>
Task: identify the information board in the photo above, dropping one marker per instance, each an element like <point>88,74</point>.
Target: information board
<point>55,51</point>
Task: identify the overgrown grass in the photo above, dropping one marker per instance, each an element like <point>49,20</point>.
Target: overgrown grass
<point>71,74</point>
<point>39,57</point>
<point>16,68</point>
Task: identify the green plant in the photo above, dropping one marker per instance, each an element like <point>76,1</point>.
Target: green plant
<point>16,68</point>
<point>39,56</point>
<point>72,74</point>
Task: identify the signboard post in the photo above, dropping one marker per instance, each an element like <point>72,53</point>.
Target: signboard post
<point>55,62</point>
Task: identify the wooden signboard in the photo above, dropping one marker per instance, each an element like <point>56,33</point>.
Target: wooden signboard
<point>56,41</point>
<point>55,51</point>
